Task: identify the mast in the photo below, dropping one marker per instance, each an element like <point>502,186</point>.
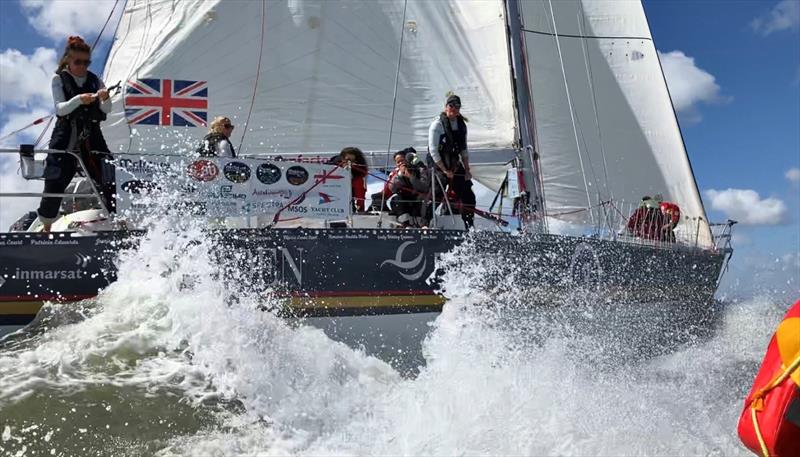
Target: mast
<point>533,209</point>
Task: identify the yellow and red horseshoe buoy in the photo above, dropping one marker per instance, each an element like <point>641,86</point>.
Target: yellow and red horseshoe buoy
<point>770,422</point>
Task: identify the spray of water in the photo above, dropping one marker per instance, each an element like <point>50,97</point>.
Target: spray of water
<point>178,358</point>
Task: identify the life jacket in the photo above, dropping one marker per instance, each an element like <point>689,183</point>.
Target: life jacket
<point>672,211</point>
<point>86,118</point>
<point>451,143</point>
<point>770,422</point>
<point>208,147</point>
<point>646,223</point>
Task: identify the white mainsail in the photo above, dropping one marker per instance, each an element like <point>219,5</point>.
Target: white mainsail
<point>313,76</point>
<point>606,128</point>
<point>310,76</point>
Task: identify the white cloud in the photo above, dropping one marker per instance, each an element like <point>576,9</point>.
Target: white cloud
<point>793,175</point>
<point>25,79</point>
<point>747,207</point>
<point>10,180</point>
<point>688,84</point>
<point>783,16</point>
<point>58,19</point>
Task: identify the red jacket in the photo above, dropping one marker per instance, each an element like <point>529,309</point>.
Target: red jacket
<point>672,212</point>
<point>359,185</point>
<point>646,223</point>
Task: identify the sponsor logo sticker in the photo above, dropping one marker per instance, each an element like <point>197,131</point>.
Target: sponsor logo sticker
<point>297,175</point>
<point>268,173</point>
<point>324,198</point>
<point>236,172</point>
<point>203,170</point>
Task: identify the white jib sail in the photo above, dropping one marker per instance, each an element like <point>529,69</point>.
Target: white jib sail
<point>605,124</point>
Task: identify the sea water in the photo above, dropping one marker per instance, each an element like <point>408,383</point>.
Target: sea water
<point>165,363</point>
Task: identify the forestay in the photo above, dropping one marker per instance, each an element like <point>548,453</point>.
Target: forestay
<point>605,124</point>
<point>307,76</point>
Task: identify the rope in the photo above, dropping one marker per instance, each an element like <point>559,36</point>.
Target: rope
<point>97,39</point>
<point>49,118</point>
<point>36,122</point>
<point>569,102</point>
<point>258,72</point>
<point>458,203</point>
<point>590,78</point>
<point>44,130</point>
<point>757,404</point>
<point>303,194</point>
<point>394,100</point>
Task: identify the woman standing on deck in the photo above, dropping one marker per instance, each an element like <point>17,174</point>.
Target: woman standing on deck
<point>81,102</point>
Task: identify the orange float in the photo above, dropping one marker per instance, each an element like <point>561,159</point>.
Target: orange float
<point>770,422</point>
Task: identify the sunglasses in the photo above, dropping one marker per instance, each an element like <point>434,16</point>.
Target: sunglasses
<point>82,62</point>
<point>454,105</point>
<point>228,126</point>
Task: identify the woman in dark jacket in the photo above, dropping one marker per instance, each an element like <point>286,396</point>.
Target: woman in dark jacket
<point>81,102</point>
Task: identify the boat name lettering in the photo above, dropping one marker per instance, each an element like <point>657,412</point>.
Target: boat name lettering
<point>348,236</point>
<point>53,242</point>
<point>48,274</point>
<point>280,264</point>
<point>10,242</point>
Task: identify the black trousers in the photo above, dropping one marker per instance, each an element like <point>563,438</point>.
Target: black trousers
<point>462,187</point>
<point>59,171</point>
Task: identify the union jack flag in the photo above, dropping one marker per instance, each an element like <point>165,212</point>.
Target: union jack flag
<point>167,102</point>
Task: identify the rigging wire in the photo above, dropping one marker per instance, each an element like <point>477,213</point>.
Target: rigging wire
<point>590,78</point>
<point>569,102</point>
<point>258,72</point>
<point>49,117</point>
<point>394,102</point>
<point>99,35</point>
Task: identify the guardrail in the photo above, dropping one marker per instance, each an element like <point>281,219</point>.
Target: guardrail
<point>29,161</point>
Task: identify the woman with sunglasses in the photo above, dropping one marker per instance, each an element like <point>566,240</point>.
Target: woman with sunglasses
<point>217,142</point>
<point>81,103</point>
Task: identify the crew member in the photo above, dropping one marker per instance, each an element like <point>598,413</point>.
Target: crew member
<point>646,222</point>
<point>81,103</point>
<point>353,158</point>
<point>217,143</point>
<point>447,151</point>
<point>409,184</point>
<point>671,215</point>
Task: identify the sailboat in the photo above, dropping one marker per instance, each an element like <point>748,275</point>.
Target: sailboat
<point>570,124</point>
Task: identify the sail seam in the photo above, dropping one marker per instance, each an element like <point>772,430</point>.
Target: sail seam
<point>568,35</point>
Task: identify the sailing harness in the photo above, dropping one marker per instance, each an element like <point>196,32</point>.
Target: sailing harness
<point>452,142</point>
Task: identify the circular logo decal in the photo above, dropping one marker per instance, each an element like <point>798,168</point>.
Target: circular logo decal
<point>296,175</point>
<point>203,170</point>
<point>237,172</point>
<point>268,173</point>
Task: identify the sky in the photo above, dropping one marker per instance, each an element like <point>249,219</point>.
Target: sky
<point>732,67</point>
